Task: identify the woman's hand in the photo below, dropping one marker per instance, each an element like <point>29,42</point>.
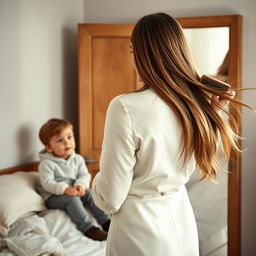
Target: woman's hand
<point>80,190</point>
<point>221,101</point>
<point>71,192</point>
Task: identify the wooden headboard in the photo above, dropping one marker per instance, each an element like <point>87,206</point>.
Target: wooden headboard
<point>25,167</point>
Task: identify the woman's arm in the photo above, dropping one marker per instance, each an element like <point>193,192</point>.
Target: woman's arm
<point>111,185</point>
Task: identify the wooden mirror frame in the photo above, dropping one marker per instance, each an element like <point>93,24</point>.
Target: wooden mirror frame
<point>234,23</point>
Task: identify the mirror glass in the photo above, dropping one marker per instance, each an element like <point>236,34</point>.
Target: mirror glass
<point>209,48</point>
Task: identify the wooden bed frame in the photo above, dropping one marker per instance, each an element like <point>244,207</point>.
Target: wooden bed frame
<point>25,167</point>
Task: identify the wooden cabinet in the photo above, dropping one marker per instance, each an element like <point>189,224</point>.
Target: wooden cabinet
<point>105,71</point>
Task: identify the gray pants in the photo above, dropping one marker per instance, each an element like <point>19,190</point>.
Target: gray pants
<point>75,207</point>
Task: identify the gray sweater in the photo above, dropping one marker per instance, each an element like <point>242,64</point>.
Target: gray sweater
<point>56,174</point>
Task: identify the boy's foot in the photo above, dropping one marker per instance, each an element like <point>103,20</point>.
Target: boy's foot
<point>96,234</point>
<point>106,225</point>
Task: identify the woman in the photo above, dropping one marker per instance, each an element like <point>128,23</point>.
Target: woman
<point>153,140</point>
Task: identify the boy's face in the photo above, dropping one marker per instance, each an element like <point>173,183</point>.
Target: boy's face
<point>63,144</point>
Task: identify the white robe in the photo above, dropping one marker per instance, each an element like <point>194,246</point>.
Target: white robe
<point>141,180</point>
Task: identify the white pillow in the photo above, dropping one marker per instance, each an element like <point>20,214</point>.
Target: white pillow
<point>18,196</point>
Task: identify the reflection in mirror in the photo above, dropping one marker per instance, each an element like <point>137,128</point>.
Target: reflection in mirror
<point>209,48</point>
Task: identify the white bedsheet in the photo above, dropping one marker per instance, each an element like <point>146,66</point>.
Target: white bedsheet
<point>50,233</point>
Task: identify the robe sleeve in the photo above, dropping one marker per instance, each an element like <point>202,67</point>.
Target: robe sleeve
<point>118,157</point>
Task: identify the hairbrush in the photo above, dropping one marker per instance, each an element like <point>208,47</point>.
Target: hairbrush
<point>214,83</point>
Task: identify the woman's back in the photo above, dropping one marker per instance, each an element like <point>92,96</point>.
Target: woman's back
<point>157,134</point>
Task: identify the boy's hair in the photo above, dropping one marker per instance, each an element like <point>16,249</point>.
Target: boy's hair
<point>52,127</point>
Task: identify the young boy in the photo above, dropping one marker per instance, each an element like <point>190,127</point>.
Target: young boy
<point>64,179</point>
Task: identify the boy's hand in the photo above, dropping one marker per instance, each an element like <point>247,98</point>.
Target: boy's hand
<point>80,190</point>
<point>71,192</point>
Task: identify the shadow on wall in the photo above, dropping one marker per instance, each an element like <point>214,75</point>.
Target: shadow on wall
<point>27,148</point>
<point>70,74</point>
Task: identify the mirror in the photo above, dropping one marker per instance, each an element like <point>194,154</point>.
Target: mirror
<point>209,48</point>
<point>214,42</point>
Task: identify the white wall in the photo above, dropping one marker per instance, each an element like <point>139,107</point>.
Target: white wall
<point>123,11</point>
<point>38,72</point>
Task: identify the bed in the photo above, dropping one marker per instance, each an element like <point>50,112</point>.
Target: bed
<point>27,228</point>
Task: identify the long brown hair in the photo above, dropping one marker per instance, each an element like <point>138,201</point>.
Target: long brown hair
<point>164,63</point>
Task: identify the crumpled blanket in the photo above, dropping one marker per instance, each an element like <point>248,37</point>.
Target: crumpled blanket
<point>51,233</point>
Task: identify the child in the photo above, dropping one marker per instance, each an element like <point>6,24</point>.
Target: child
<point>64,179</point>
